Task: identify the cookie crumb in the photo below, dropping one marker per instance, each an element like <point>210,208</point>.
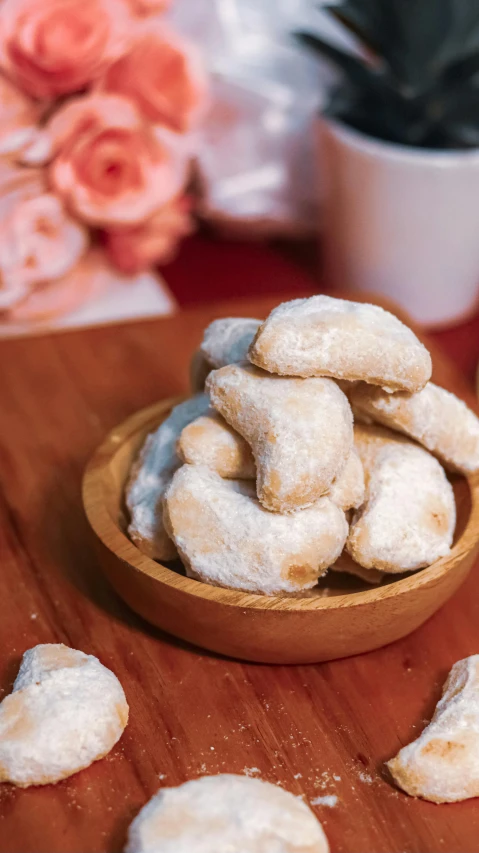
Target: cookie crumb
<point>330,801</point>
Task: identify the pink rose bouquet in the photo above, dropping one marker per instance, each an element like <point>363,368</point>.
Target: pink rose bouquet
<point>99,104</point>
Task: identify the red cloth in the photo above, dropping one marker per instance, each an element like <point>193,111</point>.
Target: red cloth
<point>208,270</point>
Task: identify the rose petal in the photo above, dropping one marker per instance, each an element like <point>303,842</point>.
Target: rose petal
<point>111,167</point>
<point>54,47</point>
<point>87,281</point>
<point>132,250</point>
<point>164,76</point>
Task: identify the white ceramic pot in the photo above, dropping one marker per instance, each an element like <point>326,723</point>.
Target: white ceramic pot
<point>403,222</point>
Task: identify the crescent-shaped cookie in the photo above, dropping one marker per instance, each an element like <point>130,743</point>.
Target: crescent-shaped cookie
<point>408,517</point>
<point>434,417</point>
<point>150,475</point>
<point>210,441</point>
<point>442,765</point>
<point>323,336</point>
<point>300,431</point>
<point>66,711</point>
<point>226,538</point>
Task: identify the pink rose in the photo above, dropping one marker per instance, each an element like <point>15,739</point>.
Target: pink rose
<point>53,47</point>
<point>149,7</point>
<point>164,76</point>
<point>18,118</point>
<point>110,167</point>
<point>39,242</point>
<point>16,185</point>
<point>132,250</point>
<point>88,280</point>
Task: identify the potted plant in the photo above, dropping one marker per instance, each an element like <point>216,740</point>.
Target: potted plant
<point>400,154</point>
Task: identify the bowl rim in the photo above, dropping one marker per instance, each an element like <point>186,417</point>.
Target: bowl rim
<point>110,534</point>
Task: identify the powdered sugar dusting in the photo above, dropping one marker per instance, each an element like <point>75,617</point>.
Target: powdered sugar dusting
<point>329,800</point>
<point>347,490</point>
<point>210,441</point>
<point>151,474</point>
<point>226,812</point>
<point>248,547</point>
<point>227,340</point>
<point>442,765</point>
<point>434,417</point>
<point>300,431</point>
<point>366,778</point>
<point>323,336</point>
<point>66,711</point>
<point>409,515</point>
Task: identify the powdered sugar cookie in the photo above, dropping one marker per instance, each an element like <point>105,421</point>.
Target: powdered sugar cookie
<point>226,341</point>
<point>300,431</point>
<point>226,538</point>
<point>66,711</point>
<point>408,517</point>
<point>442,765</point>
<point>346,564</point>
<point>322,336</point>
<point>210,441</point>
<point>150,475</point>
<point>347,490</point>
<point>434,417</point>
<point>226,814</point>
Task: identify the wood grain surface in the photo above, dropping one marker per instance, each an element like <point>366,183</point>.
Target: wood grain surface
<point>319,730</point>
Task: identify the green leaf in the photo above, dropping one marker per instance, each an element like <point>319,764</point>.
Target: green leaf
<point>418,82</point>
<point>353,67</point>
<point>363,19</point>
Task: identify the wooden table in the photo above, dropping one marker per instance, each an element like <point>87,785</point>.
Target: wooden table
<point>321,731</point>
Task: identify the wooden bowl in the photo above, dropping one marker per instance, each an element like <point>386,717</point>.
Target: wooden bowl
<point>343,617</point>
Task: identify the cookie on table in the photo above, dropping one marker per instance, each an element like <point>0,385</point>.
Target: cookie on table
<point>323,336</point>
<point>226,538</point>
<point>300,431</point>
<point>210,441</point>
<point>442,765</point>
<point>226,812</point>
<point>66,711</point>
<point>150,475</point>
<point>434,417</point>
<point>408,516</point>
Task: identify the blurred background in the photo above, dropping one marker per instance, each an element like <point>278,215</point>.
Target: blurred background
<point>156,154</point>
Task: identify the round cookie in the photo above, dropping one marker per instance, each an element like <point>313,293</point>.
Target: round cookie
<point>226,814</point>
<point>323,336</point>
<point>434,417</point>
<point>226,538</point>
<point>66,711</point>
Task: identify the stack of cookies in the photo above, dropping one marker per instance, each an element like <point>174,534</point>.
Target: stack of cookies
<point>314,441</point>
